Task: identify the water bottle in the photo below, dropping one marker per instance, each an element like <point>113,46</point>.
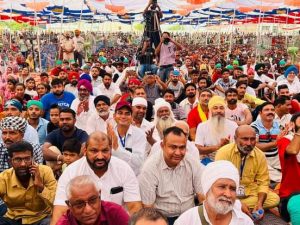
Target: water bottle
<point>257,214</point>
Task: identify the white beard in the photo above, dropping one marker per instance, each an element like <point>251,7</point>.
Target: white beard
<point>103,113</point>
<point>163,124</point>
<point>217,127</point>
<point>218,206</point>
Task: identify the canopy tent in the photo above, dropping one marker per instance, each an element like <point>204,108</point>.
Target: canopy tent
<point>191,12</point>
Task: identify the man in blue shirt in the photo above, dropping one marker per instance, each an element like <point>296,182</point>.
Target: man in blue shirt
<point>58,96</point>
<point>67,130</point>
<point>34,111</point>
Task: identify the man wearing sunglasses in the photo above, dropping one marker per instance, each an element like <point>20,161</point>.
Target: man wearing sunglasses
<point>86,207</point>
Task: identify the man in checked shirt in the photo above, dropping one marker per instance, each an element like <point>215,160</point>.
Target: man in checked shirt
<point>13,129</point>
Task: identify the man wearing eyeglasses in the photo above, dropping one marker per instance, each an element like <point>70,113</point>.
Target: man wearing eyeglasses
<point>86,207</point>
<point>27,188</point>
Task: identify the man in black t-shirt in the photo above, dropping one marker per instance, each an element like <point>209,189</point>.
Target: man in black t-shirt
<point>67,130</point>
<point>146,55</point>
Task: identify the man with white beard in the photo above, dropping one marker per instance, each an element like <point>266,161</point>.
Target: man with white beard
<point>99,120</point>
<point>220,181</point>
<point>163,119</point>
<point>216,132</point>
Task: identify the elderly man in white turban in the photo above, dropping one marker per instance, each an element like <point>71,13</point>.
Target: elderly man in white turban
<point>220,181</point>
<point>163,119</point>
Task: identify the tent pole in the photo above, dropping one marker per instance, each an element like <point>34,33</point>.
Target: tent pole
<point>80,19</point>
<point>231,34</point>
<point>219,42</point>
<point>10,37</point>
<point>286,24</point>
<point>258,32</point>
<point>62,16</point>
<point>61,28</point>
<point>208,21</point>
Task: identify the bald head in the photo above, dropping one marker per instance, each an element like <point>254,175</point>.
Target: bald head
<point>98,152</point>
<point>182,125</point>
<point>244,129</point>
<point>245,138</point>
<point>98,137</point>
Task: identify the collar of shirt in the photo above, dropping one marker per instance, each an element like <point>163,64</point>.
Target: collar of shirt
<point>42,122</point>
<point>128,133</point>
<point>260,124</point>
<point>16,183</point>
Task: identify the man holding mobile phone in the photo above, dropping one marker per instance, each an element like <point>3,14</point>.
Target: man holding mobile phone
<point>27,188</point>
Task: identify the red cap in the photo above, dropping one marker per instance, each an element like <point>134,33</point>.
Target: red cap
<point>73,74</point>
<point>134,81</point>
<point>122,104</point>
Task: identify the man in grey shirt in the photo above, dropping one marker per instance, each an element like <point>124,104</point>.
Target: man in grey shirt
<point>170,178</point>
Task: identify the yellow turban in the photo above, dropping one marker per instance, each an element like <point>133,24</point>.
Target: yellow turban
<point>203,67</point>
<point>216,100</point>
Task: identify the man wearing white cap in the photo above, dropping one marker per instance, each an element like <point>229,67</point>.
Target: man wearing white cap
<point>139,108</point>
<point>163,118</point>
<point>220,181</point>
<point>216,132</point>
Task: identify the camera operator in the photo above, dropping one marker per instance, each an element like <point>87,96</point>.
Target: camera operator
<point>146,54</point>
<point>166,52</point>
<point>152,15</point>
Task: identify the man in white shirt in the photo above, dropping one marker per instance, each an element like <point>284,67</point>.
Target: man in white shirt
<point>113,176</point>
<point>108,89</point>
<point>291,80</point>
<point>99,120</point>
<point>139,108</point>
<point>79,47</point>
<point>236,111</point>
<point>260,76</point>
<point>170,178</point>
<point>216,132</point>
<point>84,104</point>
<point>96,78</point>
<point>220,181</point>
<point>282,108</point>
<point>131,140</point>
<point>191,100</point>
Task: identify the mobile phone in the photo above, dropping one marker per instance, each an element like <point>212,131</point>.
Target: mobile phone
<point>116,190</point>
<point>31,174</point>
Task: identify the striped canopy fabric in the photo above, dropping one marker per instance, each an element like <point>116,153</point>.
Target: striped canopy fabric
<point>184,12</point>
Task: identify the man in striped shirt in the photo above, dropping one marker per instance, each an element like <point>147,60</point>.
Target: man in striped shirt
<point>170,178</point>
<point>268,133</point>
